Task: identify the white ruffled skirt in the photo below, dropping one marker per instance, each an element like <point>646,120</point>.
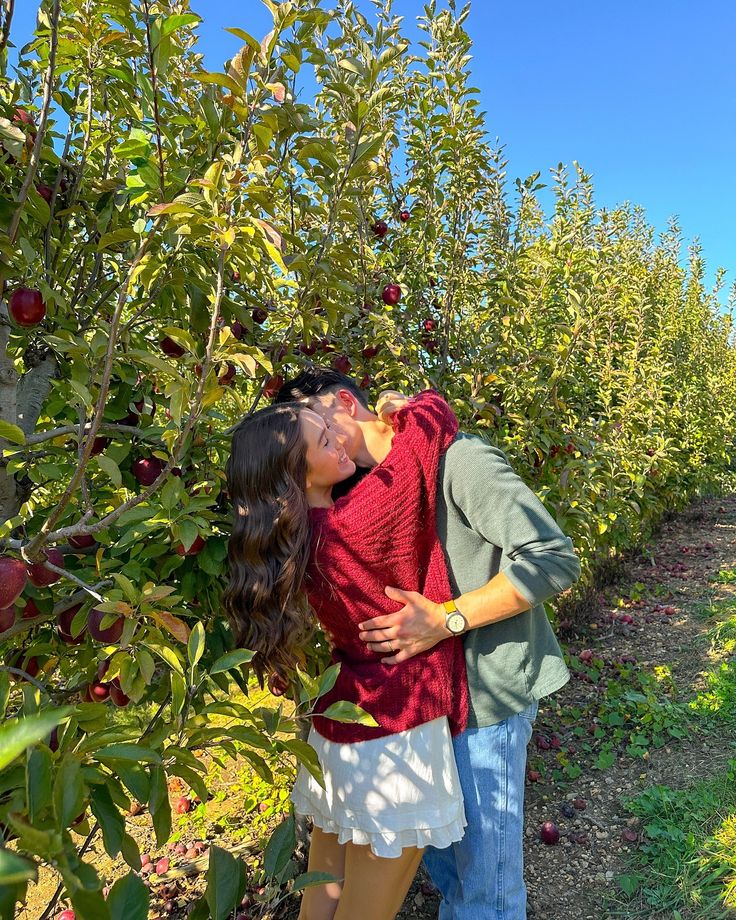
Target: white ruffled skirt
<point>402,790</point>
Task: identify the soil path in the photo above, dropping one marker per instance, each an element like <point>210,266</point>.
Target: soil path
<point>577,878</point>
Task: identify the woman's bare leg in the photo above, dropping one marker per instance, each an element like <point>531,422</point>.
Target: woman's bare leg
<point>325,855</point>
<point>375,887</point>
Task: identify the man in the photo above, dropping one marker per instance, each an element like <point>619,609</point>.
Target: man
<point>505,557</point>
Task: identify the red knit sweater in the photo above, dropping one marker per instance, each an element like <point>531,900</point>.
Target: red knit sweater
<point>384,533</point>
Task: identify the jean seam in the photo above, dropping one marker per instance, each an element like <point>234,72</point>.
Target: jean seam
<point>500,905</point>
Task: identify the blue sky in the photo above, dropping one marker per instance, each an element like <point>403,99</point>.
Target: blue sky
<point>642,94</point>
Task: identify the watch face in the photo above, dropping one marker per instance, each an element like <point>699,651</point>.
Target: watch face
<point>456,623</point>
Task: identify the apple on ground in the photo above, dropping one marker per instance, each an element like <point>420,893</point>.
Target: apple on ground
<point>41,576</point>
<point>183,805</point>
<point>13,579</point>
<point>549,833</point>
<point>107,634</point>
<point>26,306</point>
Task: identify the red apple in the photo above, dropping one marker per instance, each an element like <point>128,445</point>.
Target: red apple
<point>586,655</point>
<point>30,611</point>
<point>54,739</point>
<point>105,634</point>
<point>370,351</point>
<point>147,469</point>
<point>237,329</point>
<point>66,915</point>
<point>183,805</point>
<point>366,382</point>
<point>273,385</point>
<point>193,550</point>
<point>162,866</point>
<point>404,216</point>
<point>64,626</point>
<point>98,445</point>
<point>235,275</point>
<point>549,833</point>
<point>342,364</point>
<point>308,349</point>
<point>171,348</point>
<point>7,618</point>
<point>41,576</point>
<point>227,377</point>
<point>277,684</point>
<point>45,191</point>
<point>17,660</point>
<point>26,306</point>
<point>391,294</point>
<point>429,325</point>
<point>82,541</point>
<point>97,692</point>
<point>117,695</point>
<point>13,579</point>
<point>380,229</point>
<point>259,315</point>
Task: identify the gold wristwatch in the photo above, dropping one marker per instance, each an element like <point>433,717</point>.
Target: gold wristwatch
<point>455,622</point>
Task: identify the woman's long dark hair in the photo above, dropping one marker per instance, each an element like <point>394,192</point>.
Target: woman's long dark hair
<point>269,546</point>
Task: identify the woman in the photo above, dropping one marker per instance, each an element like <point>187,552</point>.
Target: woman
<point>390,789</point>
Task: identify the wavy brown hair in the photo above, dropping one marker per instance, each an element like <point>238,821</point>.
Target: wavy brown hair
<point>269,546</point>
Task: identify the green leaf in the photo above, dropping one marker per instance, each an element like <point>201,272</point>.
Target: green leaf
<point>310,879</point>
<point>110,467</point>
<point>135,753</point>
<point>327,679</point>
<point>15,869</point>
<point>195,645</point>
<point>279,848</point>
<point>234,659</point>
<point>159,806</point>
<point>111,821</point>
<point>115,237</point>
<point>306,755</point>
<point>18,734</point>
<point>225,881</point>
<point>249,39</point>
<point>11,433</point>
<point>221,79</point>
<point>128,899</point>
<point>38,781</point>
<point>89,904</point>
<point>69,789</point>
<point>344,711</point>
<point>177,21</point>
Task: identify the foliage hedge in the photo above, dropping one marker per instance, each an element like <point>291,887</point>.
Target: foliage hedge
<point>196,237</point>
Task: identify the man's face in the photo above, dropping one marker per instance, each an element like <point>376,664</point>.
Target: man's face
<point>338,410</point>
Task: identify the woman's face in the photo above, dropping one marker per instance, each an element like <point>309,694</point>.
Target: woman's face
<point>327,462</point>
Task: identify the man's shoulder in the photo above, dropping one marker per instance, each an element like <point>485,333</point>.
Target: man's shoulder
<point>470,453</point>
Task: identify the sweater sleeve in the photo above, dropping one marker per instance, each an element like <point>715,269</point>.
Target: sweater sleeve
<point>424,429</point>
<point>502,509</point>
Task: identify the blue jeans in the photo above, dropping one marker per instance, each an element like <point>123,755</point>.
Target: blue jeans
<point>482,876</point>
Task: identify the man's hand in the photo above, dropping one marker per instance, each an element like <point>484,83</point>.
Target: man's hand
<point>418,626</point>
<point>388,403</point>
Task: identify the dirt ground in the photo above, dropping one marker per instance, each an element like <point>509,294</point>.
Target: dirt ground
<point>655,626</point>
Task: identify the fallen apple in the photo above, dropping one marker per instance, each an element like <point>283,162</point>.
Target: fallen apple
<point>549,833</point>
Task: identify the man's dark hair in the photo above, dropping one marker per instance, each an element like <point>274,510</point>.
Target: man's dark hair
<point>314,380</point>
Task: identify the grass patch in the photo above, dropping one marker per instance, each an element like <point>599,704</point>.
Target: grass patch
<point>687,861</point>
